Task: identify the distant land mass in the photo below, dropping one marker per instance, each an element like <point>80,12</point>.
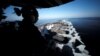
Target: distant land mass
<point>88,28</point>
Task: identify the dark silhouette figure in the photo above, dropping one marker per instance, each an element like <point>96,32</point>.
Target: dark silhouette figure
<point>28,37</point>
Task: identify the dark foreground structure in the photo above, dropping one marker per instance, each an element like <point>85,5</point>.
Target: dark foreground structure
<point>26,40</point>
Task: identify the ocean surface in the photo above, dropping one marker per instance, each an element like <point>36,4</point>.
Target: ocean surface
<point>88,29</point>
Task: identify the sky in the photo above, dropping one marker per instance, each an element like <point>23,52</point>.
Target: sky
<point>75,9</point>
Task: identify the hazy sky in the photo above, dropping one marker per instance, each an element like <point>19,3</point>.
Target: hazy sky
<point>77,8</point>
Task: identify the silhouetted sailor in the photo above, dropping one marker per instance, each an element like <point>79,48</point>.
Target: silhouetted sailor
<point>30,17</point>
<point>34,40</point>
